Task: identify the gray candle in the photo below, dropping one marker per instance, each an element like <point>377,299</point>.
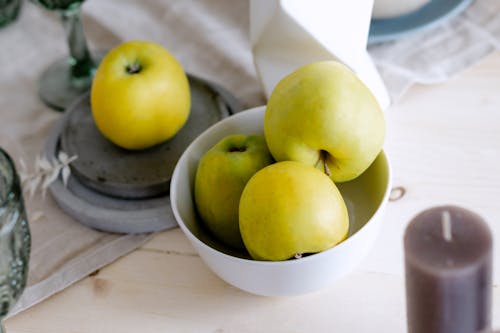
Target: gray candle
<point>448,268</point>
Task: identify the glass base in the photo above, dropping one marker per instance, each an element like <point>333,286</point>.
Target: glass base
<point>56,87</point>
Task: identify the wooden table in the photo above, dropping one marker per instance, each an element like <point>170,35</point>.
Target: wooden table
<point>444,143</point>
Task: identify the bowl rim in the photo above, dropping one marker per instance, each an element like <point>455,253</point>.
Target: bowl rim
<point>312,257</point>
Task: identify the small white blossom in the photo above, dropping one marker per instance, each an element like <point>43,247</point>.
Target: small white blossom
<point>46,172</point>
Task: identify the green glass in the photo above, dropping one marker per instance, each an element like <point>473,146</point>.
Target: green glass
<point>9,10</point>
<point>66,79</point>
<point>15,238</point>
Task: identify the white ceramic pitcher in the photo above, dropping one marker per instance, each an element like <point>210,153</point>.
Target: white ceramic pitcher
<point>286,34</point>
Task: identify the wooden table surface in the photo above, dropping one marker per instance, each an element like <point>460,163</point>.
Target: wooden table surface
<point>444,144</point>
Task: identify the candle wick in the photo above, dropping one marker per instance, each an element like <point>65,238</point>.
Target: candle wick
<point>446,224</point>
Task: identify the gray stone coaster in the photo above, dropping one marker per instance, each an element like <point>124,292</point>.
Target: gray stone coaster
<point>114,171</point>
<point>111,213</point>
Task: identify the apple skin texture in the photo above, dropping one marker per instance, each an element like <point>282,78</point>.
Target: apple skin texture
<point>139,110</point>
<point>222,173</point>
<point>323,114</point>
<point>289,208</point>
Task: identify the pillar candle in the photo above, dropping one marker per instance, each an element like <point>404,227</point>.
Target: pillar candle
<point>448,272</point>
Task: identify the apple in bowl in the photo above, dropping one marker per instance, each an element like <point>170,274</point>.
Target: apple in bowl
<point>324,116</point>
<point>221,176</point>
<point>289,209</point>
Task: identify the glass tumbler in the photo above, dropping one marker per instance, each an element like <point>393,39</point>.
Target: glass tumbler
<point>15,238</point>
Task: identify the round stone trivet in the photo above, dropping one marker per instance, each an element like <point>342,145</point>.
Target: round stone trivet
<point>118,172</point>
<point>110,213</point>
<point>107,213</point>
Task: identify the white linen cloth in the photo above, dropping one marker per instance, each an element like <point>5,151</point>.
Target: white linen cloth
<point>211,39</point>
<point>438,54</point>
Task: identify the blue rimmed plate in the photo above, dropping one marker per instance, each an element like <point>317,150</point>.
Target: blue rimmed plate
<point>427,17</point>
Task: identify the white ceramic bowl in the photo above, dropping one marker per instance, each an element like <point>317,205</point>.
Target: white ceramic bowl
<point>366,198</point>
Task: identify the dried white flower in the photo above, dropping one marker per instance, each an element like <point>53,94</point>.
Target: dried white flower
<point>46,172</point>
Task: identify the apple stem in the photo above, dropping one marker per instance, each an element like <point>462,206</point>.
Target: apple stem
<point>324,158</point>
<point>327,170</point>
<point>134,68</point>
<point>237,149</point>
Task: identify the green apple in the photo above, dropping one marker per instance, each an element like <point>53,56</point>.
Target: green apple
<point>140,95</point>
<point>323,115</point>
<point>290,208</point>
<point>222,173</point>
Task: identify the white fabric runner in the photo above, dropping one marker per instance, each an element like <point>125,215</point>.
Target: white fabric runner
<point>436,55</point>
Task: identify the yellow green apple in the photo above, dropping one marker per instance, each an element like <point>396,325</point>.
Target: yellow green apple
<point>222,173</point>
<point>290,208</point>
<point>140,95</point>
<point>324,116</point>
